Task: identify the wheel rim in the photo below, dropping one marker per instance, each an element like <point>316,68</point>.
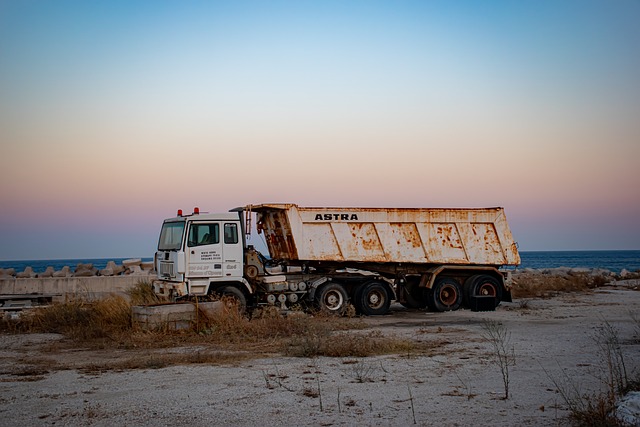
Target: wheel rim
<point>448,295</point>
<point>333,300</point>
<point>487,290</point>
<point>375,299</point>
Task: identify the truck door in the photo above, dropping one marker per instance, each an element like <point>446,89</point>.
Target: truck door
<point>204,248</point>
<point>232,251</point>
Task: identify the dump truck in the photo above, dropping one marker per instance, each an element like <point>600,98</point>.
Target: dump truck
<point>328,258</point>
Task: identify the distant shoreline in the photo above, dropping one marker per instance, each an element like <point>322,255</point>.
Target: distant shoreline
<point>612,260</point>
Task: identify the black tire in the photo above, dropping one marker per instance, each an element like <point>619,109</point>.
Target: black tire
<point>331,299</point>
<point>372,299</point>
<point>235,295</point>
<point>446,295</point>
<point>482,285</point>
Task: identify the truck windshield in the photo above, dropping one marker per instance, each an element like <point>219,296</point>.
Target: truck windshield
<point>171,236</point>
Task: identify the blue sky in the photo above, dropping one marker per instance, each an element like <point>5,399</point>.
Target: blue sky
<point>115,114</point>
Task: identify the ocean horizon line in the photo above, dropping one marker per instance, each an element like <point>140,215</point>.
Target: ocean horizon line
<point>151,257</point>
<point>612,260</point>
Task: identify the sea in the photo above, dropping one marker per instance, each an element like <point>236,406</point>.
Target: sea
<point>614,261</point>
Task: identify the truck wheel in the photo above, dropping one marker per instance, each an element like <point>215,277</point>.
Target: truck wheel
<point>446,295</point>
<point>235,295</point>
<point>331,299</point>
<point>372,299</point>
<point>482,285</point>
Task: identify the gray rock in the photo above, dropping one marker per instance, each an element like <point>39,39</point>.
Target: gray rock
<point>107,271</point>
<point>127,263</point>
<point>147,266</point>
<point>85,270</point>
<point>86,273</point>
<point>64,272</point>
<point>135,270</point>
<point>628,409</point>
<point>580,270</point>
<point>47,273</point>
<point>81,267</point>
<point>28,273</point>
<point>624,273</point>
<point>600,272</point>
<point>117,269</point>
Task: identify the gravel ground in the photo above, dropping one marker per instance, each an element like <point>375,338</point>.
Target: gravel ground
<point>554,343</point>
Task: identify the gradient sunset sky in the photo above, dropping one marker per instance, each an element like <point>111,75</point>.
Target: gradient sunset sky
<point>115,114</point>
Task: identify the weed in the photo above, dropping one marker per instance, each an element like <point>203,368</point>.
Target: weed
<point>503,352</point>
<point>608,341</point>
<point>80,319</point>
<point>362,372</point>
<point>525,304</point>
<point>413,411</point>
<point>142,294</point>
<point>349,345</point>
<point>635,317</point>
<point>598,409</point>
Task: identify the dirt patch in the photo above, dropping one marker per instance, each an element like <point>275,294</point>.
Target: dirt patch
<point>448,376</point>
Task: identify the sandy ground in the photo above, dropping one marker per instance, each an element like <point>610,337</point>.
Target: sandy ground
<point>459,385</point>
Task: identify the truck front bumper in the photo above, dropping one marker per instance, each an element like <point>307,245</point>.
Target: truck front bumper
<point>169,290</point>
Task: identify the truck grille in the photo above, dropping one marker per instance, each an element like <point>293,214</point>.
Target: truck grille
<point>166,269</point>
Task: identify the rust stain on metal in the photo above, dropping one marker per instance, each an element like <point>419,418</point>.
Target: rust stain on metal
<point>463,236</point>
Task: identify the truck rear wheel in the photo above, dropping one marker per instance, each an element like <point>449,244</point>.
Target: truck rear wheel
<point>331,299</point>
<point>482,285</point>
<point>446,295</point>
<point>372,299</point>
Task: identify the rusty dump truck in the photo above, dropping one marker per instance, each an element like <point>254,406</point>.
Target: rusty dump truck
<point>327,258</point>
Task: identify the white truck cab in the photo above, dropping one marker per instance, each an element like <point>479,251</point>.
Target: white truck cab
<point>197,252</point>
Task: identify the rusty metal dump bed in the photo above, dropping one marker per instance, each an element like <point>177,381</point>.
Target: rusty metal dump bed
<point>415,235</point>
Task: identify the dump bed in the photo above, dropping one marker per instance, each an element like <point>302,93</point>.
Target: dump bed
<point>414,235</point>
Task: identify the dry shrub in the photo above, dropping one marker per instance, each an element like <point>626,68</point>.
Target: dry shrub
<point>159,361</point>
<point>534,285</point>
<point>142,294</point>
<point>228,325</point>
<point>348,345</point>
<point>80,319</point>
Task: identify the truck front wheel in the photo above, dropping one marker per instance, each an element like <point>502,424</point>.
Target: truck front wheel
<point>331,299</point>
<point>234,296</point>
<point>372,299</point>
<point>446,295</point>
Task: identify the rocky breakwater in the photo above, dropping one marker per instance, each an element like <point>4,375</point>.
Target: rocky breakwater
<point>546,282</point>
<point>133,266</point>
<point>85,281</point>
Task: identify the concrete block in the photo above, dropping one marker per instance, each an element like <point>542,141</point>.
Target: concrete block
<point>28,273</point>
<point>173,316</point>
<point>131,262</point>
<point>165,316</point>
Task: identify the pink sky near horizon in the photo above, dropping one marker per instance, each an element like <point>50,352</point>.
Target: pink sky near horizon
<point>112,119</point>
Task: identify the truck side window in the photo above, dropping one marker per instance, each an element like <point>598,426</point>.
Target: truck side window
<point>204,234</point>
<point>231,233</point>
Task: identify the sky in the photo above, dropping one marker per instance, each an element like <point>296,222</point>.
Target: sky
<point>115,114</point>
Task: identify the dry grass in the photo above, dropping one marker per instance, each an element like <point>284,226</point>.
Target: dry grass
<point>223,337</point>
<point>142,294</point>
<point>78,319</point>
<point>545,285</point>
<point>344,344</point>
